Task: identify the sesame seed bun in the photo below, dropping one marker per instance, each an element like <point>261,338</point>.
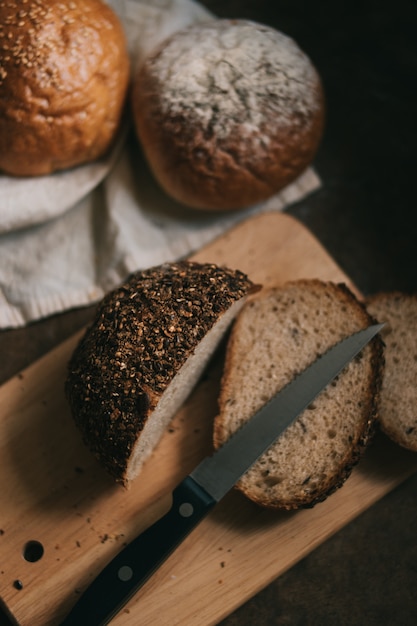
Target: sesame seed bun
<point>64,72</point>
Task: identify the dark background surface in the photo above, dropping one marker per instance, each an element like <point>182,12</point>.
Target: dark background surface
<point>366,53</point>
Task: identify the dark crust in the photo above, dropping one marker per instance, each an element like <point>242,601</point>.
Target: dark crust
<point>367,429</point>
<point>142,334</point>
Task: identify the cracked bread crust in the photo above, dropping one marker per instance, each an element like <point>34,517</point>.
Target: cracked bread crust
<point>143,334</point>
<point>64,73</point>
<point>228,113</point>
<point>276,335</point>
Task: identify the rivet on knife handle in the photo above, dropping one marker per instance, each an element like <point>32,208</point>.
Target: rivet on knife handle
<point>132,567</point>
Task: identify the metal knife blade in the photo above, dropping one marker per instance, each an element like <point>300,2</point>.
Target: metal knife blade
<point>197,494</point>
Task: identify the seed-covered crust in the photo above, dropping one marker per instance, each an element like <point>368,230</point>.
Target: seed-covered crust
<point>142,334</point>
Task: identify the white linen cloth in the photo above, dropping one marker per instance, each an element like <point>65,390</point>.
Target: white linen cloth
<point>67,238</point>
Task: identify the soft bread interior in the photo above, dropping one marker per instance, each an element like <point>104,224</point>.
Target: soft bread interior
<point>178,391</point>
<point>276,336</point>
<point>398,400</point>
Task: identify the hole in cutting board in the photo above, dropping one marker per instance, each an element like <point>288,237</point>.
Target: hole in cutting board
<point>33,551</point>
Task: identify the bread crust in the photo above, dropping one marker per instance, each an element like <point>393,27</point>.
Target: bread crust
<point>64,73</point>
<point>142,335</point>
<point>216,134</point>
<point>353,316</point>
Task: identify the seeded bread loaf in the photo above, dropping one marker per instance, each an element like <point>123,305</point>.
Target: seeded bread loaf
<point>64,73</point>
<point>398,400</point>
<point>142,355</point>
<point>228,112</point>
<point>276,335</point>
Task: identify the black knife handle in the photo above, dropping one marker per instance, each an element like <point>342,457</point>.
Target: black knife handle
<point>132,567</point>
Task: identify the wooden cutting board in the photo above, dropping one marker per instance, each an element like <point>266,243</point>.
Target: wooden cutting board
<point>54,493</point>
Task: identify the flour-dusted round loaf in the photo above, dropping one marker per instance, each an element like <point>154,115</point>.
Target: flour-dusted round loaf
<point>64,73</point>
<point>144,352</point>
<point>276,335</point>
<point>398,401</point>
<point>228,112</point>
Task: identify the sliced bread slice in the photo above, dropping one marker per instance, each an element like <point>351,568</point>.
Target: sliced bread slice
<point>144,352</point>
<point>276,335</point>
<point>398,399</point>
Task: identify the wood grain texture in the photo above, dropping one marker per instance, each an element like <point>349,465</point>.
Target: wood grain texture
<point>52,490</point>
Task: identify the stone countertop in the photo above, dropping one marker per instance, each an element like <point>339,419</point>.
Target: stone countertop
<point>366,574</point>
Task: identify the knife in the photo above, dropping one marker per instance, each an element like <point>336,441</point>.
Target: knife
<point>197,494</point>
